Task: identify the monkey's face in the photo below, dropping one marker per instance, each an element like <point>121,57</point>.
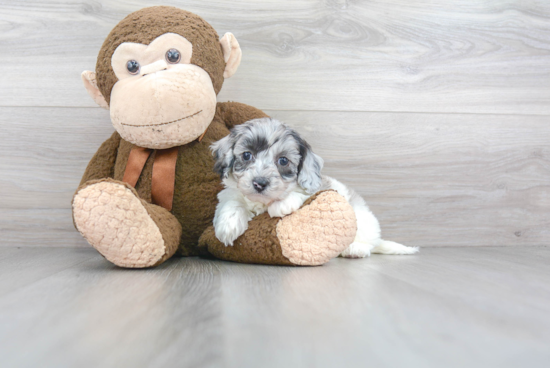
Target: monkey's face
<point>159,72</point>
<point>160,99</point>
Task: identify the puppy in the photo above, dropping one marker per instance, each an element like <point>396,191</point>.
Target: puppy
<point>266,166</point>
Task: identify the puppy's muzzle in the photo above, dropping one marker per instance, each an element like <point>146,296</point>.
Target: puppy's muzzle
<point>260,184</point>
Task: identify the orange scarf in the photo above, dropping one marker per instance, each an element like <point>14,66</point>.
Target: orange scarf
<point>164,173</point>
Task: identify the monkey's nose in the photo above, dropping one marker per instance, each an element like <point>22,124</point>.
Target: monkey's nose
<point>154,67</point>
<point>260,184</point>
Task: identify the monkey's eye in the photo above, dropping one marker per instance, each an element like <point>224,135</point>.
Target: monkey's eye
<point>247,156</point>
<point>132,66</point>
<point>173,56</point>
<point>283,161</point>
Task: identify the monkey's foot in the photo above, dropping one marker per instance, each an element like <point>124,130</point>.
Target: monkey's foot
<point>319,231</point>
<point>126,230</point>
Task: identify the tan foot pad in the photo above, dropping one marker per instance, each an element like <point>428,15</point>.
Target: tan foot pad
<point>319,231</point>
<point>115,222</point>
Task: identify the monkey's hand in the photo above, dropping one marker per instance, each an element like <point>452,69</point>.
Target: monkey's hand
<point>288,205</point>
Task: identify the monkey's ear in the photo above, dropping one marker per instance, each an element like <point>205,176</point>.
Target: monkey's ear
<point>90,83</point>
<point>231,54</point>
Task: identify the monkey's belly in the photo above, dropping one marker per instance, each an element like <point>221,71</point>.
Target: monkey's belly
<point>195,212</point>
<point>195,194</point>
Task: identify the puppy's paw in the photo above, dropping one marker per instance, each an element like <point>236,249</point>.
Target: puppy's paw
<point>284,207</point>
<point>229,227</point>
<point>357,250</point>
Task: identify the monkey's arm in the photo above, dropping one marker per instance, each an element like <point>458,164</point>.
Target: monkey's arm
<point>235,113</point>
<point>102,165</point>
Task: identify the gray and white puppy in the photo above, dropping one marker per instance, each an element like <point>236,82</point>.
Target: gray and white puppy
<point>267,166</point>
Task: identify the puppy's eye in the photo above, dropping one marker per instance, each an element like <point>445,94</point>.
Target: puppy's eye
<point>283,161</point>
<point>247,156</point>
<point>173,56</point>
<point>132,66</point>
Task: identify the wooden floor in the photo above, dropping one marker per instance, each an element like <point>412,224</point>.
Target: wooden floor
<point>445,307</point>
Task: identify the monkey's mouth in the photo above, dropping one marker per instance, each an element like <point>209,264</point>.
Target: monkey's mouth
<point>166,123</point>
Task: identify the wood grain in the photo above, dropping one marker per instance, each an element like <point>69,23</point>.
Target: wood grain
<point>452,307</point>
<point>432,179</point>
<point>441,179</point>
<point>471,56</point>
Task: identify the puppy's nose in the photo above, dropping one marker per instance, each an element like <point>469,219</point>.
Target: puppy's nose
<point>260,184</point>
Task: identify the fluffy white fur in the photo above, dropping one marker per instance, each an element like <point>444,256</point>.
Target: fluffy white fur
<point>267,140</point>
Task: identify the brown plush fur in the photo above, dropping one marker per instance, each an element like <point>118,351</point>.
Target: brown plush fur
<point>259,244</point>
<point>169,227</point>
<point>103,163</point>
<point>144,25</point>
<point>196,184</point>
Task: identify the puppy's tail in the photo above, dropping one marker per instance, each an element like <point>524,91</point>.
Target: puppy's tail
<point>389,247</point>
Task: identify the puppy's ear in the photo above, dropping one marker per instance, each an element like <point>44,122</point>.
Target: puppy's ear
<point>223,154</point>
<point>309,169</point>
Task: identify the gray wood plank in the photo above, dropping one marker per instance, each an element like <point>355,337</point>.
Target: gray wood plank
<point>41,169</point>
<point>425,56</point>
<point>432,179</point>
<point>445,307</point>
<point>94,308</point>
<point>19,267</point>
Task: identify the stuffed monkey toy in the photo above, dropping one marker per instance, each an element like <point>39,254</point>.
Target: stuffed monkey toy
<point>150,190</point>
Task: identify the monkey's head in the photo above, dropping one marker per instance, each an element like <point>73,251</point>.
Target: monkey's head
<point>158,72</point>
